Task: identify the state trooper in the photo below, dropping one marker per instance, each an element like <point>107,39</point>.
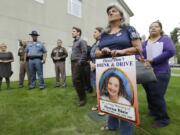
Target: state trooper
<point>36,54</point>
<point>58,56</point>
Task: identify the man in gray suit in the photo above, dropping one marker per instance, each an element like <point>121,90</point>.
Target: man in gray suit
<point>78,59</point>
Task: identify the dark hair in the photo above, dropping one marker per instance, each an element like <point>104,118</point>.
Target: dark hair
<point>20,43</point>
<point>78,30</point>
<point>121,85</point>
<point>160,25</point>
<point>100,29</point>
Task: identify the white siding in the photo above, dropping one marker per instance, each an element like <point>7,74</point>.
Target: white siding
<point>51,19</point>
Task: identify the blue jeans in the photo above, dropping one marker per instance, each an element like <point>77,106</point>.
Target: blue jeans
<point>36,66</point>
<point>125,127</point>
<point>155,93</point>
<point>93,79</point>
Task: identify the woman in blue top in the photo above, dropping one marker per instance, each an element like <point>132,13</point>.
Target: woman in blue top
<point>96,35</point>
<point>118,39</point>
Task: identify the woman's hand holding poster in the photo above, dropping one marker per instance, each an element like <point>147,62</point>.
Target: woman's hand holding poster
<point>116,87</point>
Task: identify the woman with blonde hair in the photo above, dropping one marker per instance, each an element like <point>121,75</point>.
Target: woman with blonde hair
<point>5,64</point>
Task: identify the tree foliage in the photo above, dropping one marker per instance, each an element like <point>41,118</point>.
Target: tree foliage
<point>178,53</point>
<point>174,35</point>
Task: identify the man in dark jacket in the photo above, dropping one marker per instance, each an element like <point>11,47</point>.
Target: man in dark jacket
<point>87,68</point>
<point>58,56</point>
<point>78,58</point>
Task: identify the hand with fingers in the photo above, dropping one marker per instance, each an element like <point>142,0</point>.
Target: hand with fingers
<point>116,53</point>
<point>106,51</point>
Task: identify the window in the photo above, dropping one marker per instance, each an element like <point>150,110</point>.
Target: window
<point>40,1</point>
<point>75,7</point>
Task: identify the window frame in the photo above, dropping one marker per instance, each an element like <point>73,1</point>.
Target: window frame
<point>40,1</point>
<point>72,8</point>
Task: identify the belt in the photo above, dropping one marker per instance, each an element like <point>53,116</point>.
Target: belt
<point>59,60</point>
<point>74,60</point>
<point>32,58</point>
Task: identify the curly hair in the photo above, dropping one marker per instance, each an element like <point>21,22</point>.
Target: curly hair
<point>121,91</point>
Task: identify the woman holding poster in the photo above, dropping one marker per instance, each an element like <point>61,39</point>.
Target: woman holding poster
<point>158,49</point>
<point>118,39</point>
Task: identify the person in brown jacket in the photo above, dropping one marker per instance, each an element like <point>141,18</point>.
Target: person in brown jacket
<point>58,56</point>
<point>23,65</point>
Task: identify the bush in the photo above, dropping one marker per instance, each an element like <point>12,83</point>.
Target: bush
<point>178,53</point>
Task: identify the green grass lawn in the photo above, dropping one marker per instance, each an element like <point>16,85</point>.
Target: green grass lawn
<point>54,111</point>
<point>175,71</point>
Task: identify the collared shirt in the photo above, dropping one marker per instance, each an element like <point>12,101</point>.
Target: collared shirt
<point>35,49</point>
<point>79,50</point>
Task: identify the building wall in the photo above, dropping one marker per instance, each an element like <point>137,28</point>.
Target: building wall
<point>51,19</point>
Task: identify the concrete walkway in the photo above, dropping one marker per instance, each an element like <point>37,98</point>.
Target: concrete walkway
<point>174,74</point>
<point>177,75</point>
<point>176,68</point>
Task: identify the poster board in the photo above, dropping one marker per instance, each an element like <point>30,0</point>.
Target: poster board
<point>117,88</point>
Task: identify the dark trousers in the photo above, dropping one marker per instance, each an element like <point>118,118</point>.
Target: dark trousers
<point>87,77</point>
<point>155,97</point>
<point>78,79</point>
<point>7,82</point>
<point>60,72</point>
<point>22,72</point>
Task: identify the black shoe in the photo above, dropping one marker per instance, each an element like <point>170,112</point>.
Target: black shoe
<point>82,103</point>
<point>159,125</point>
<point>21,86</point>
<point>57,86</point>
<point>90,91</point>
<point>41,88</point>
<point>63,86</point>
<point>30,88</point>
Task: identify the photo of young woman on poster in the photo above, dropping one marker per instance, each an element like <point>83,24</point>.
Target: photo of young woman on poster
<point>115,87</point>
